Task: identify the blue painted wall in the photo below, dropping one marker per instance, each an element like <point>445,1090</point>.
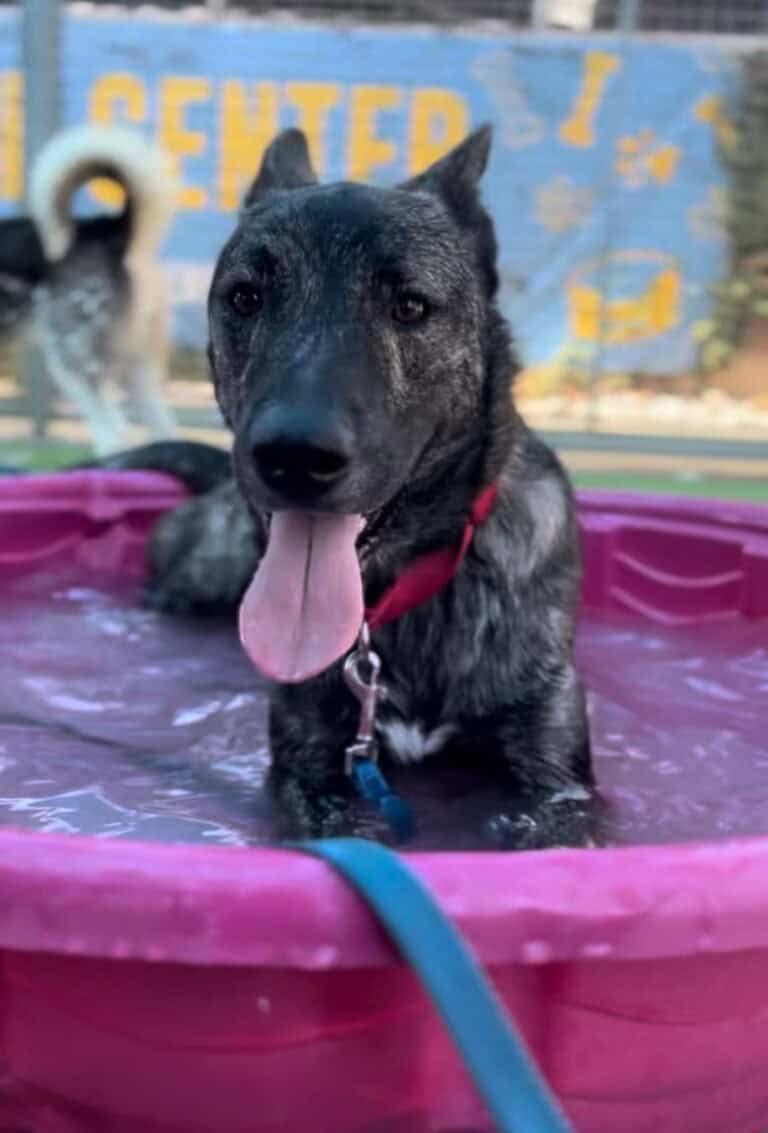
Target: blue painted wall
<point>604,180</point>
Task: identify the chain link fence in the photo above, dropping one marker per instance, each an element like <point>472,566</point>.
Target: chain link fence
<point>699,17</point>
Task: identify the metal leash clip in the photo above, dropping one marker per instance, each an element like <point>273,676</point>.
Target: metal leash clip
<point>367,692</point>
<point>361,757</point>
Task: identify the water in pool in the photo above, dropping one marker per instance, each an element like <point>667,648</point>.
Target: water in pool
<point>118,722</point>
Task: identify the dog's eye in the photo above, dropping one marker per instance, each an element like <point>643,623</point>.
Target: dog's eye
<point>245,299</point>
<point>409,308</point>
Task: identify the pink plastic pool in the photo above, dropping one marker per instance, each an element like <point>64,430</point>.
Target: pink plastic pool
<point>167,977</point>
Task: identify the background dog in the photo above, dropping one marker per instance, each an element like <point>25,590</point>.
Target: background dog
<point>362,364</point>
<point>91,289</point>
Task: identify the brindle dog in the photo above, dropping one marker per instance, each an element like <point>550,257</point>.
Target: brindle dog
<point>363,366</point>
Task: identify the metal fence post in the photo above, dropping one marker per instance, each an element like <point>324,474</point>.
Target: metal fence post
<point>629,16</point>
<point>40,20</point>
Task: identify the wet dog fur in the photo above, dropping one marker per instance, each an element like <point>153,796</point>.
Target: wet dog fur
<point>373,312</point>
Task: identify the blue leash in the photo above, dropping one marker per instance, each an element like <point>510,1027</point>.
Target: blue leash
<point>371,785</point>
<point>503,1071</point>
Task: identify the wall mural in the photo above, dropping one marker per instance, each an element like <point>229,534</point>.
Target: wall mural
<point>607,180</point>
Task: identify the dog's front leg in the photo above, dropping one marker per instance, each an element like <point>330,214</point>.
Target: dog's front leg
<point>310,726</point>
<point>541,748</point>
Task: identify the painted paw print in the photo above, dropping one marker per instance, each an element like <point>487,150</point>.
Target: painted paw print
<point>561,205</point>
<point>643,159</point>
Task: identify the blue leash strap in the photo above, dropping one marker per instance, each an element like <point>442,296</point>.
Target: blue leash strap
<point>493,1053</point>
<point>371,785</point>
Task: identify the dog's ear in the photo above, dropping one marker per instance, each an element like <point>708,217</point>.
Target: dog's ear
<point>456,176</point>
<point>455,179</point>
<point>285,165</point>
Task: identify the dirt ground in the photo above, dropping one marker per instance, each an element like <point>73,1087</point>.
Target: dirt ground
<point>731,404</point>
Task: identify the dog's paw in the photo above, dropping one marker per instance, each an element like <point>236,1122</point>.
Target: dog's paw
<point>306,810</point>
<point>202,555</point>
<point>557,822</point>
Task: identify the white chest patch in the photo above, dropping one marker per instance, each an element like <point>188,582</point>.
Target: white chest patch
<point>408,743</point>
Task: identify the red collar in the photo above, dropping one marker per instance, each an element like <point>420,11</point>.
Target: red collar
<point>430,573</point>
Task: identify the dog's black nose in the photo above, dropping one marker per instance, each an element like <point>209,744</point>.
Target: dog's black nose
<point>300,462</point>
<point>299,469</point>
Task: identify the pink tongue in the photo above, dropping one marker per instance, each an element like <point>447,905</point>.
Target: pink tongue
<point>304,607</point>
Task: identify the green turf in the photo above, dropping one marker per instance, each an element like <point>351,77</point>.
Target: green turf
<point>723,488</point>
<point>35,456</point>
<point>44,456</point>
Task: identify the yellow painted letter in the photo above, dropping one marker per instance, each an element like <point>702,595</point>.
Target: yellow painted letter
<point>578,130</point>
<point>115,98</point>
<point>248,122</point>
<point>119,90</point>
<point>175,95</point>
<point>11,136</point>
<point>439,120</point>
<point>313,102</point>
<point>366,150</point>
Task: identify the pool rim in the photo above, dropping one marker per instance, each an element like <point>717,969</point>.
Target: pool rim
<point>241,906</point>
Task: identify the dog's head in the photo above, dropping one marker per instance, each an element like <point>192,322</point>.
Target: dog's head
<point>347,326</point>
<point>349,331</point>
